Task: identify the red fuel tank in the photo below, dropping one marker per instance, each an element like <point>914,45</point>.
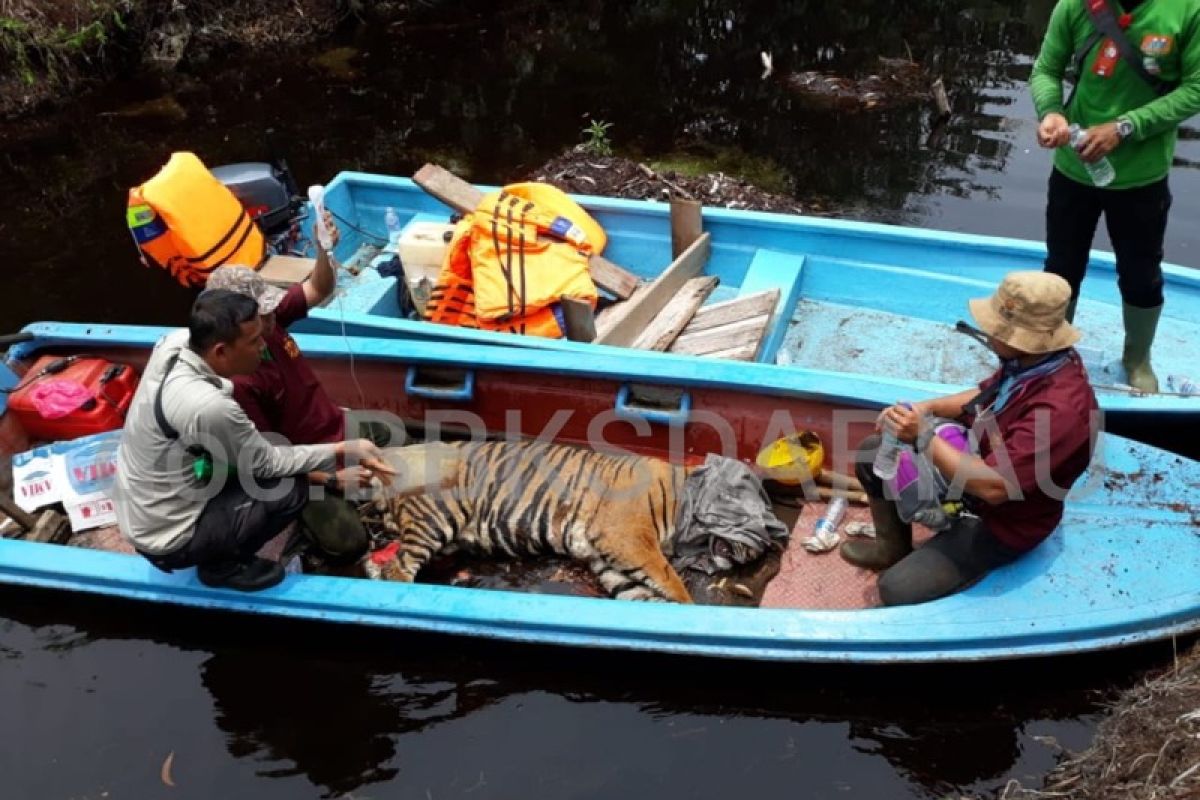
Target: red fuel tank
<point>111,387</point>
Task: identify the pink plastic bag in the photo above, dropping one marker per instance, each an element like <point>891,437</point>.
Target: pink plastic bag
<point>58,397</point>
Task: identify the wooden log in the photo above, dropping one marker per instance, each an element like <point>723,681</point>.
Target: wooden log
<point>624,326</point>
<point>686,224</point>
<point>826,493</point>
<point>581,322</point>
<point>664,328</point>
<point>735,335</point>
<point>14,512</point>
<point>50,528</point>
<point>837,480</point>
<point>463,197</point>
<point>733,310</point>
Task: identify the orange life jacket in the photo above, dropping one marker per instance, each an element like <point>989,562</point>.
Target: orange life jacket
<point>513,258</point>
<point>187,222</point>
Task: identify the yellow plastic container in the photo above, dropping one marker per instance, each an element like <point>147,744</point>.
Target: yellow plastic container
<point>422,248</point>
<point>793,459</point>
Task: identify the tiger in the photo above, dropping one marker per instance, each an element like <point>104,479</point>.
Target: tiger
<point>614,513</point>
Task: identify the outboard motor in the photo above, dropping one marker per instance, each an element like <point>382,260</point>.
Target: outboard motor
<point>267,192</point>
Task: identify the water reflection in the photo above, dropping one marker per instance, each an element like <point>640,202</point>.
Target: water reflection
<point>378,713</point>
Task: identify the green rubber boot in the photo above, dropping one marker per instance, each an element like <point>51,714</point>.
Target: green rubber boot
<point>892,542</point>
<point>1140,326</point>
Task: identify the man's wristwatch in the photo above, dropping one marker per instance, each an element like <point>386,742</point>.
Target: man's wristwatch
<point>331,482</point>
<point>1124,128</point>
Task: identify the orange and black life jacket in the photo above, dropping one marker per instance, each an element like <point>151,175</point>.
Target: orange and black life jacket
<point>187,222</point>
<point>512,260</point>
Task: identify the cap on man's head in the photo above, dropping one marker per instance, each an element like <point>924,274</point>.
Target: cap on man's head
<point>1028,312</point>
<point>244,280</point>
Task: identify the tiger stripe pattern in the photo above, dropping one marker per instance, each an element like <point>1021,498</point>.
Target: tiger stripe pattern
<point>612,513</point>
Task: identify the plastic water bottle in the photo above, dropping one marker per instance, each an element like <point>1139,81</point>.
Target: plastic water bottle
<point>1101,172</point>
<point>316,196</point>
<point>392,221</point>
<point>1182,384</point>
<point>826,527</point>
<point>887,457</point>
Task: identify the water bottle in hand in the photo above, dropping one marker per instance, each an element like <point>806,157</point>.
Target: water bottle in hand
<point>392,221</point>
<point>1101,172</point>
<point>887,457</point>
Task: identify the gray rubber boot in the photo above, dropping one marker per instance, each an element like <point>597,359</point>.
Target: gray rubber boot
<point>1140,326</point>
<point>892,542</point>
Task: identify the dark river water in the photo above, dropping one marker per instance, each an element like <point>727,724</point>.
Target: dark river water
<point>96,695</point>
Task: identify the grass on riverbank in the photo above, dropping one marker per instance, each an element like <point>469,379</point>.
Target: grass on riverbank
<point>48,48</point>
<point>1147,747</point>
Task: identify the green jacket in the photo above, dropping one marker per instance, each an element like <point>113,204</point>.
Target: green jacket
<point>1167,32</point>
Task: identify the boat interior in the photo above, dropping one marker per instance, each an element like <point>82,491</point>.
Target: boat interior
<point>826,295</point>
<point>722,420</point>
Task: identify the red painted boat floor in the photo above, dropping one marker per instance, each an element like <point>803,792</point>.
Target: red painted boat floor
<point>805,580</point>
<point>823,580</point>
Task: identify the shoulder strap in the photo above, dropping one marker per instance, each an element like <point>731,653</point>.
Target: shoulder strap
<point>1106,23</point>
<point>1077,64</point>
<point>166,427</point>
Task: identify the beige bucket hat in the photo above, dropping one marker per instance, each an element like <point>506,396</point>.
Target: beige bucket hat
<point>244,280</point>
<point>1028,311</point>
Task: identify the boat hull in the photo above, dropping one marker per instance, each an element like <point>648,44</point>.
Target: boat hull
<point>1119,570</point>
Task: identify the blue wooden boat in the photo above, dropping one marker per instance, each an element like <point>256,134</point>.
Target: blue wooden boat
<point>1120,569</point>
<point>856,299</point>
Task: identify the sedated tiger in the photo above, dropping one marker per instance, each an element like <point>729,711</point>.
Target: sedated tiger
<point>613,513</point>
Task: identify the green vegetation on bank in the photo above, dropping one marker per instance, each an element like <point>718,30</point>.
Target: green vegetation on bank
<point>49,47</point>
<point>46,40</point>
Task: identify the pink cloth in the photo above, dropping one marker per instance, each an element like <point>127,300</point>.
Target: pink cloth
<point>58,397</point>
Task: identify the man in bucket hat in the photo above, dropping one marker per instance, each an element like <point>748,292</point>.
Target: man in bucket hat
<point>1033,419</point>
<point>283,396</point>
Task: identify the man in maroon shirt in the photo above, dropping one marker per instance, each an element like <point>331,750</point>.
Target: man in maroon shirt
<point>284,396</point>
<point>1034,420</point>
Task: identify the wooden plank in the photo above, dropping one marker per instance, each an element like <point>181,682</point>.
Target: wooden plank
<point>679,311</point>
<point>605,315</point>
<point>581,322</point>
<point>726,337</point>
<point>611,277</point>
<point>625,325</point>
<point>686,224</point>
<point>733,310</point>
<point>463,197</point>
<point>745,352</point>
<point>448,187</point>
<point>287,270</point>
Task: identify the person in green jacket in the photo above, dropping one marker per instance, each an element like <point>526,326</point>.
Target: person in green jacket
<point>1132,124</point>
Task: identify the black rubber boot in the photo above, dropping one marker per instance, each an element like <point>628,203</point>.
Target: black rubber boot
<point>244,576</point>
<point>892,542</point>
